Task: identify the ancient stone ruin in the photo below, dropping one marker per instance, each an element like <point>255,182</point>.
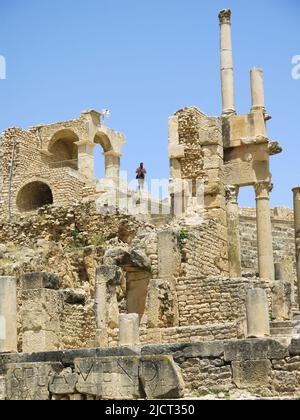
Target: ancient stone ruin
<point>196,299</point>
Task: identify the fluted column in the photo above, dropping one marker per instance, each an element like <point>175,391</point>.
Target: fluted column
<point>264,230</point>
<point>233,227</point>
<point>227,76</point>
<point>296,192</point>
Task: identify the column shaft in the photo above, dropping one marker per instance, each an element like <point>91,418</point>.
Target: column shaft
<point>264,231</point>
<point>227,76</point>
<point>233,227</point>
<point>257,90</point>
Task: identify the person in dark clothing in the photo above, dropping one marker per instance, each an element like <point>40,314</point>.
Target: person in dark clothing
<point>141,175</point>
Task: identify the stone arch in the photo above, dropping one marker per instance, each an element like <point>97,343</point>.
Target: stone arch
<point>33,196</point>
<point>111,158</point>
<point>63,147</point>
<point>102,139</point>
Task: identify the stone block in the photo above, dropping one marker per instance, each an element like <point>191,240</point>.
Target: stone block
<point>74,296</point>
<point>129,329</point>
<point>2,388</point>
<point>64,383</point>
<point>294,348</point>
<point>41,280</point>
<point>160,378</point>
<point>8,314</point>
<point>30,381</point>
<point>254,349</point>
<point>40,341</point>
<point>40,320</point>
<point>169,257</point>
<point>109,378</point>
<point>282,308</point>
<point>251,373</point>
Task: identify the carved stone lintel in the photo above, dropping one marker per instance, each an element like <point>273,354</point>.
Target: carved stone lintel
<point>231,194</point>
<point>225,16</point>
<point>263,189</point>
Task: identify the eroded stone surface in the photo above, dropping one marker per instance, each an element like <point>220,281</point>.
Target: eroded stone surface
<point>251,373</point>
<point>30,381</point>
<point>160,378</point>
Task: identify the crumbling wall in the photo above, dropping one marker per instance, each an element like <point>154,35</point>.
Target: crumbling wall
<point>22,162</point>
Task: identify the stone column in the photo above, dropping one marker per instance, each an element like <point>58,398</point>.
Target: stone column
<point>227,76</point>
<point>282,303</point>
<point>112,166</point>
<point>296,192</point>
<point>264,230</point>
<point>257,90</point>
<point>129,330</point>
<point>86,159</point>
<point>233,226</point>
<point>258,323</point>
<point>106,304</point>
<point>8,315</point>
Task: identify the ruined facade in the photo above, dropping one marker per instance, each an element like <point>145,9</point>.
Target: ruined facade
<point>102,305</point>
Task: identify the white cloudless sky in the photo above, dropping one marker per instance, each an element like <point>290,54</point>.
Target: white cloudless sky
<point>144,60</point>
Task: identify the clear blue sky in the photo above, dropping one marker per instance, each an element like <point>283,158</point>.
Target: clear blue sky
<point>144,60</point>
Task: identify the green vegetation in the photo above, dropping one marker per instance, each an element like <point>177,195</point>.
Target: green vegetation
<point>183,235</point>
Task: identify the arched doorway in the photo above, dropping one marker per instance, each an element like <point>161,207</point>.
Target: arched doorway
<point>34,196</point>
<point>63,149</point>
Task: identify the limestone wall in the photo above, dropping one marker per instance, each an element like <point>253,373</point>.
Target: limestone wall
<point>214,300</point>
<point>204,250</point>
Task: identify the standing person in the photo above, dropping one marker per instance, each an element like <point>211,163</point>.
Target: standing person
<point>140,176</point>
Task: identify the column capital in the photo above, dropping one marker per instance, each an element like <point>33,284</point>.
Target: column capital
<point>296,190</point>
<point>263,189</point>
<point>231,194</point>
<point>225,16</point>
<point>112,153</point>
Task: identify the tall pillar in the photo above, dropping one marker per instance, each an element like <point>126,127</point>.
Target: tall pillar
<point>106,303</point>
<point>257,90</point>
<point>227,76</point>
<point>296,192</point>
<point>264,230</point>
<point>8,315</point>
<point>233,226</point>
<point>86,159</point>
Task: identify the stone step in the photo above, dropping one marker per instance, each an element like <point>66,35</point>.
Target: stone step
<point>282,332</point>
<point>282,324</point>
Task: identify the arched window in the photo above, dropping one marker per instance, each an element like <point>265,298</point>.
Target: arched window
<point>64,149</point>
